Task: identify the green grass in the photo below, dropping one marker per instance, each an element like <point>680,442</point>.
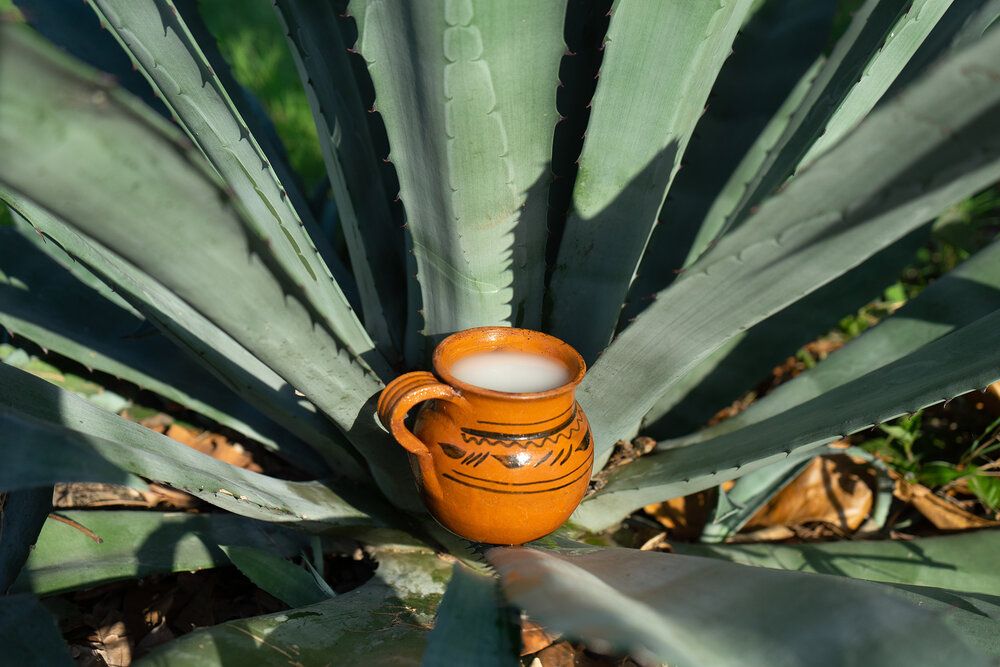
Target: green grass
<point>250,38</point>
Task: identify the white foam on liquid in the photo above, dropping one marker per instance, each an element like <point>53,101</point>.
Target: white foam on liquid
<point>511,372</point>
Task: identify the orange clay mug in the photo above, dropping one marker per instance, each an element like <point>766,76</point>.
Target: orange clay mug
<point>492,466</point>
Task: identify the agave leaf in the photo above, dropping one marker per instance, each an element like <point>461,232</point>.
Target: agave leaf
<point>64,116</point>
<point>373,238</point>
<point>54,436</point>
<point>137,544</point>
<point>951,365</point>
<point>778,44</point>
<point>736,366</point>
<point>29,633</point>
<point>964,562</point>
<point>286,581</point>
<point>870,29</point>
<point>967,293</point>
<point>900,45</point>
<point>73,27</point>
<point>473,624</point>
<point>44,299</point>
<point>694,611</point>
<point>631,152</point>
<point>236,367</point>
<point>467,91</point>
<point>22,514</point>
<point>155,36</point>
<point>893,173</point>
<point>726,199</point>
<point>735,507</point>
<point>385,621</point>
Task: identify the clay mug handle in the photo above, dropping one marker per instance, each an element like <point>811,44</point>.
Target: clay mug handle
<point>397,399</point>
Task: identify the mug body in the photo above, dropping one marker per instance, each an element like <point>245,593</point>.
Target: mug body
<point>511,467</point>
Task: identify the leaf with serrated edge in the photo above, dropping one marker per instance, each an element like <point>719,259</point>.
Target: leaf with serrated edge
<point>966,359</point>
<point>932,145</point>
<point>373,239</point>
<point>467,90</point>
<point>55,436</point>
<point>190,331</point>
<point>89,323</point>
<point>139,543</point>
<point>970,291</point>
<point>154,34</point>
<point>899,46</point>
<point>685,611</point>
<point>964,562</point>
<point>131,156</point>
<point>281,578</point>
<point>775,48</point>
<point>632,151</point>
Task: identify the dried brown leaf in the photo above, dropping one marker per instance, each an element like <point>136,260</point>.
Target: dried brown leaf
<point>945,514</point>
<point>831,489</point>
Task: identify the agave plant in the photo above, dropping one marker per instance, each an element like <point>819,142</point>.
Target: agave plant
<point>686,191</point>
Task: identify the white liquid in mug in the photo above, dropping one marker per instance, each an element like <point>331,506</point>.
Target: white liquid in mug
<point>511,372</point>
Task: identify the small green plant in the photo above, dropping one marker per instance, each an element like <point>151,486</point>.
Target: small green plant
<point>550,165</point>
<point>916,454</point>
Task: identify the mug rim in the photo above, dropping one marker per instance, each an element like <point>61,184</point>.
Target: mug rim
<point>444,347</point>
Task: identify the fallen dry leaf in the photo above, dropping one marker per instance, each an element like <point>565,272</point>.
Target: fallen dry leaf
<point>110,641</point>
<point>945,514</point>
<point>831,489</point>
<point>214,444</point>
<point>684,517</point>
<point>534,638</point>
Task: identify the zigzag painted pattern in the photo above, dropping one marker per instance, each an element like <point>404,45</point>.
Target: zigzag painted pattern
<point>524,444</point>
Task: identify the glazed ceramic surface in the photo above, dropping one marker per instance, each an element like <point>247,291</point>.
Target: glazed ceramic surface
<point>495,467</point>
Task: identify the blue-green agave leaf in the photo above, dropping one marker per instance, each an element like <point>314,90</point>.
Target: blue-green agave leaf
<point>467,91</point>
<point>125,544</point>
<point>473,625</point>
<point>892,174</point>
<point>672,52</point>
<point>685,610</point>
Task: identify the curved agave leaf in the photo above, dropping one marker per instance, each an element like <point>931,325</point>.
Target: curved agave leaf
<point>288,582</point>
<point>672,52</point>
<point>22,514</point>
<point>385,621</point>
<point>140,543</point>
<point>64,116</point>
<point>951,365</point>
<point>467,90</point>
<point>54,436</point>
<point>928,147</point>
<point>964,562</point>
<point>737,505</point>
<point>967,293</point>
<point>839,84</point>
<point>901,43</point>
<point>736,366</point>
<point>696,611</point>
<point>55,302</point>
<point>43,645</point>
<point>236,367</point>
<point>473,625</point>
<point>776,47</point>
<point>155,36</point>
<point>184,218</point>
<point>373,238</point>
